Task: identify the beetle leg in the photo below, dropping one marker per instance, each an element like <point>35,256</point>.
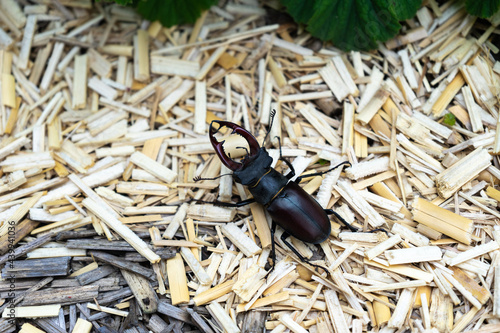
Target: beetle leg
<point>227,204</point>
<point>273,246</point>
<point>283,237</point>
<point>380,229</point>
<point>290,174</point>
<point>347,224</point>
<point>299,179</point>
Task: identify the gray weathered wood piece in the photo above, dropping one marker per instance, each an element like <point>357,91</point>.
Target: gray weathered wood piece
<point>6,326</point>
<point>144,293</point>
<point>105,284</point>
<point>63,296</point>
<point>164,253</point>
<point>98,244</point>
<point>72,317</point>
<point>254,322</point>
<point>22,250</point>
<point>20,285</point>
<point>20,295</point>
<point>124,264</point>
<point>199,321</point>
<point>75,234</point>
<point>95,274</point>
<point>50,325</point>
<point>174,312</point>
<point>158,325</point>
<point>30,268</point>
<point>112,296</point>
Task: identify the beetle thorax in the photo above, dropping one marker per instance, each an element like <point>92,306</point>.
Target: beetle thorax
<point>254,168</point>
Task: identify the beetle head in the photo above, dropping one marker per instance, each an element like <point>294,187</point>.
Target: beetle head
<point>215,127</point>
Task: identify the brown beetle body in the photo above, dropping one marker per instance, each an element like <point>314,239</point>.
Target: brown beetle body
<point>300,215</point>
<point>289,205</point>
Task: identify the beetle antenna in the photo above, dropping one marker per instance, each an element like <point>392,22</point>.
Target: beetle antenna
<point>198,178</point>
<point>271,116</point>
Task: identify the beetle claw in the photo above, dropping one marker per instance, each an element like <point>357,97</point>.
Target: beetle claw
<point>214,130</point>
<point>218,146</point>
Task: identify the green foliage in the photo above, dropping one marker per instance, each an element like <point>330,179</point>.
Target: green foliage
<point>352,24</point>
<point>404,10</point>
<point>349,24</point>
<point>482,8</point>
<point>362,24</point>
<point>172,12</point>
<point>300,10</point>
<point>449,119</point>
<point>125,2</point>
<point>169,12</point>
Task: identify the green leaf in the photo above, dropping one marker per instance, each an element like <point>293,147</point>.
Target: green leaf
<point>352,24</point>
<point>449,119</point>
<point>380,21</point>
<point>124,2</point>
<point>482,8</point>
<point>300,10</point>
<point>173,12</point>
<point>405,10</point>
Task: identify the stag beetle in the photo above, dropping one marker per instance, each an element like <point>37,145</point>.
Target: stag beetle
<point>298,213</point>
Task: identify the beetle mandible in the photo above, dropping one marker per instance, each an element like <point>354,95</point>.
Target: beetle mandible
<point>289,206</point>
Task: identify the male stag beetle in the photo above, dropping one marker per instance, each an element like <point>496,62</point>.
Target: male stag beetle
<point>299,214</point>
